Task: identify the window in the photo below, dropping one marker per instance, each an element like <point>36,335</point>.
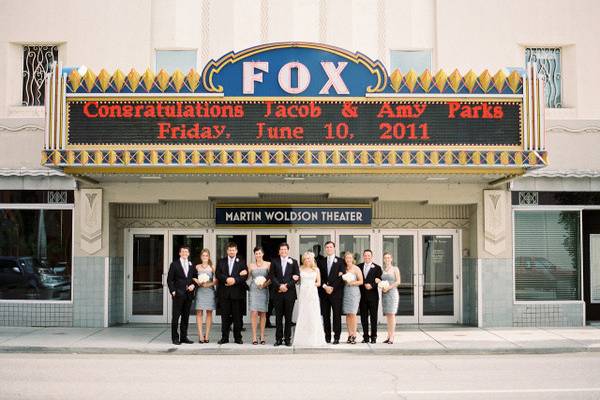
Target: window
<point>37,61</point>
<point>549,69</point>
<point>405,60</point>
<point>170,60</point>
<point>35,254</point>
<point>547,255</point>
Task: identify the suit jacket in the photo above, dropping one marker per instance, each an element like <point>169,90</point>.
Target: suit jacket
<point>375,272</point>
<point>236,291</point>
<point>334,279</point>
<point>278,279</point>
<point>178,281</point>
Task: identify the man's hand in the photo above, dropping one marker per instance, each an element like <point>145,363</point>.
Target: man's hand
<point>230,281</point>
<point>368,286</point>
<point>243,273</point>
<point>295,278</point>
<point>283,288</point>
<point>173,294</point>
<point>328,290</point>
<point>377,280</point>
<point>190,288</point>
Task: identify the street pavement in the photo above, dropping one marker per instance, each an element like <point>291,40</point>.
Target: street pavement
<point>415,340</point>
<point>332,375</point>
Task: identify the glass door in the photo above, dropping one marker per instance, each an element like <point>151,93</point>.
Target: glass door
<point>313,241</point>
<point>403,248</point>
<point>270,241</point>
<point>146,276</point>
<point>355,241</point>
<point>438,277</point>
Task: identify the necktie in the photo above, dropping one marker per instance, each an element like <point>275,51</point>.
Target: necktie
<point>283,265</point>
<point>184,264</point>
<point>367,268</point>
<point>329,264</point>
<point>230,266</point>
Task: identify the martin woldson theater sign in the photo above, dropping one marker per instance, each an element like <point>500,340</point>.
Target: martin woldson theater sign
<point>294,108</point>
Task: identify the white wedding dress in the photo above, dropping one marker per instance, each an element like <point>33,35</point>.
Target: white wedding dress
<point>309,324</point>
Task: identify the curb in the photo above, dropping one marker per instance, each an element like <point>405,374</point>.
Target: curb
<point>299,351</point>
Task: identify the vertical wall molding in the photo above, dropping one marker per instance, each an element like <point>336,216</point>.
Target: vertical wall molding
<point>90,201</point>
<point>494,208</point>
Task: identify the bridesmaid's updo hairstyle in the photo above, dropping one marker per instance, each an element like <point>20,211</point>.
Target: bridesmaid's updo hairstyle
<point>258,248</point>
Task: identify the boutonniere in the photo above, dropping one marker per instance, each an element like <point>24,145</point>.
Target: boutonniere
<point>335,259</point>
<point>289,260</point>
<point>237,260</point>
<point>189,263</point>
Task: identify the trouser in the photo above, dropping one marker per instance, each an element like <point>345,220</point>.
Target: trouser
<point>284,307</point>
<point>181,309</point>
<point>368,313</point>
<point>231,311</point>
<point>329,303</point>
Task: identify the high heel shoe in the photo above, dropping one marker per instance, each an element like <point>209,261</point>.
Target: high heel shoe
<point>386,341</point>
<point>353,341</point>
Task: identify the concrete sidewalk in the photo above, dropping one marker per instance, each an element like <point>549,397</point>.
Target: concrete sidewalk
<point>424,339</point>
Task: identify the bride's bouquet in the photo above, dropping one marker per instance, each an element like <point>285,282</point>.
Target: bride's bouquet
<point>383,285</point>
<point>203,278</point>
<point>259,281</point>
<point>348,277</point>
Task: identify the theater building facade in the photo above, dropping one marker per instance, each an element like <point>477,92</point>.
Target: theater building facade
<point>300,142</point>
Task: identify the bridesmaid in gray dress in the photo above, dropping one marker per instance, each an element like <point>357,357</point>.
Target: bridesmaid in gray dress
<point>259,294</point>
<point>205,295</point>
<point>353,278</point>
<point>390,296</point>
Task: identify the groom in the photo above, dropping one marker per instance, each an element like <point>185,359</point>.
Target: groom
<point>284,274</point>
<point>330,293</point>
<point>180,280</point>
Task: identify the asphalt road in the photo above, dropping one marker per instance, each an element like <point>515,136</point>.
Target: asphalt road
<point>317,376</point>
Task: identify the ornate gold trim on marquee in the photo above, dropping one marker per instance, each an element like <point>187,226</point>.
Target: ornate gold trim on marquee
<point>293,161</point>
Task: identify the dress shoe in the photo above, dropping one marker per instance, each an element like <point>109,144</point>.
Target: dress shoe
<point>336,341</point>
<point>328,340</point>
<point>239,341</point>
<point>223,341</point>
<point>365,341</point>
<point>278,343</point>
<point>186,341</point>
<point>288,343</point>
<point>373,340</point>
<point>176,342</point>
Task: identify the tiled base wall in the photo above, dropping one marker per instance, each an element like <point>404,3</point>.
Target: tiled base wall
<point>88,291</point>
<point>499,309</point>
<point>115,291</point>
<point>36,314</point>
<point>469,287</point>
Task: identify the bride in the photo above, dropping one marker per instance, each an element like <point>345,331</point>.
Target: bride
<point>309,324</point>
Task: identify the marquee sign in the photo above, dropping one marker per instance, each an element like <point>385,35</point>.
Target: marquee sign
<point>292,215</point>
<point>299,106</point>
<point>373,122</point>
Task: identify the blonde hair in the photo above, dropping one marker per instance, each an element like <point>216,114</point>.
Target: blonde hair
<point>207,252</point>
<point>313,264</point>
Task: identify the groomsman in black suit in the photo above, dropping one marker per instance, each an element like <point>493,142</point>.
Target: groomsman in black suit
<point>231,272</point>
<point>369,296</point>
<point>180,280</point>
<point>284,274</point>
<point>331,292</point>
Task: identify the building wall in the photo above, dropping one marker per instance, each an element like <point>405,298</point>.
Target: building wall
<point>463,34</point>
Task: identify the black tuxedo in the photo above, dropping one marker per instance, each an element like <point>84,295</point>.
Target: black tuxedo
<point>333,300</point>
<point>283,302</point>
<point>231,298</point>
<point>178,282</point>
<point>369,300</point>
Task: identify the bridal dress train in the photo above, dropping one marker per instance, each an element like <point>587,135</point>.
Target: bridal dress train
<point>309,324</point>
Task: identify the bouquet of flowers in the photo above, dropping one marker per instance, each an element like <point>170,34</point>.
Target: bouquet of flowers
<point>383,285</point>
<point>260,280</point>
<point>348,277</point>
<point>203,278</point>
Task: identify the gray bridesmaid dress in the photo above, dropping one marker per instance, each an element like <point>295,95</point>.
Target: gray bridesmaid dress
<point>259,298</point>
<point>389,299</point>
<point>205,297</point>
<point>351,298</point>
